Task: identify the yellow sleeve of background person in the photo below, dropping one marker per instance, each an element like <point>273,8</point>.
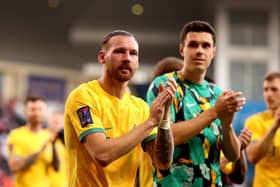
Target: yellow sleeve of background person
<point>22,143</point>
<point>228,168</point>
<point>268,168</point>
<point>58,178</point>
<point>89,109</point>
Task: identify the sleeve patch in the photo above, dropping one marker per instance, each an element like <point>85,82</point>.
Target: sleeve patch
<point>84,116</point>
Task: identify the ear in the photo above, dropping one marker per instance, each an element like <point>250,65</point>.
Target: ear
<point>101,57</point>
<point>214,51</point>
<point>181,49</point>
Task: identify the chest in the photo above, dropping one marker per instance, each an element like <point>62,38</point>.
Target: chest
<point>118,118</point>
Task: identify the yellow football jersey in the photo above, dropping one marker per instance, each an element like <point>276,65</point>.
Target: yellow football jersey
<point>145,171</point>
<point>89,109</point>
<point>58,178</point>
<point>21,143</point>
<point>268,168</point>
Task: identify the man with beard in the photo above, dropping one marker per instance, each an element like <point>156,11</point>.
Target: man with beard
<point>264,148</point>
<point>30,153</point>
<point>105,125</point>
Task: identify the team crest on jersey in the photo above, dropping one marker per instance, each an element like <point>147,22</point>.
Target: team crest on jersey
<point>84,116</point>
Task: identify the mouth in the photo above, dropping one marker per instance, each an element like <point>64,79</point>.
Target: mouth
<point>125,70</point>
<point>198,60</point>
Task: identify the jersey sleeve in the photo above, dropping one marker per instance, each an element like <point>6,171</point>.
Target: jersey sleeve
<point>252,124</point>
<point>228,167</point>
<point>82,111</point>
<point>14,145</point>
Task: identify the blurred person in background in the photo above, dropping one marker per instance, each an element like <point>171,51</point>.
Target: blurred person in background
<point>105,125</point>
<point>264,148</point>
<point>55,126</point>
<point>167,65</point>
<point>235,172</point>
<point>201,114</point>
<point>30,150</point>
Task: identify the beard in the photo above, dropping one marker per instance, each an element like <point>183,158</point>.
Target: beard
<point>35,120</point>
<point>123,73</point>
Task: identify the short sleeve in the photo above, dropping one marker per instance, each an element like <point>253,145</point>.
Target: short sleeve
<point>228,168</point>
<point>82,110</point>
<point>252,124</point>
<point>14,146</point>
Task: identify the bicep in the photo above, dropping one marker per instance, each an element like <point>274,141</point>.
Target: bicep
<point>94,142</point>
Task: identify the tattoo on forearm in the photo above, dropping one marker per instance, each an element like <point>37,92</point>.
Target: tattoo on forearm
<point>164,146</point>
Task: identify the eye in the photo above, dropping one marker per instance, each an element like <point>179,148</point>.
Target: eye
<point>134,52</point>
<point>193,44</point>
<point>119,50</point>
<point>206,45</point>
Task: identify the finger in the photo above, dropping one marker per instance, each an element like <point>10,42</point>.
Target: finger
<point>163,98</point>
<point>172,81</point>
<point>158,99</point>
<point>160,88</point>
<point>171,87</point>
<point>235,94</point>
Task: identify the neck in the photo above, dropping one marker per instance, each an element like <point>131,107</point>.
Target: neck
<point>34,127</point>
<point>195,77</point>
<point>113,87</point>
<point>272,111</point>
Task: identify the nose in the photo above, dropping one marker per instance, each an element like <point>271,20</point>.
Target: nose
<point>126,56</point>
<point>199,50</point>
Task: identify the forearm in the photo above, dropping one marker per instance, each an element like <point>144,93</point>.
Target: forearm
<point>257,150</point>
<point>239,171</point>
<point>230,143</point>
<point>163,148</point>
<point>186,130</point>
<point>17,163</point>
<point>55,158</point>
<point>104,151</point>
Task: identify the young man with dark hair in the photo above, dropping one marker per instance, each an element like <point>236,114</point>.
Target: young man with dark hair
<point>201,114</point>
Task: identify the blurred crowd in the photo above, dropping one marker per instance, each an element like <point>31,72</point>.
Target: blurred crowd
<point>9,119</point>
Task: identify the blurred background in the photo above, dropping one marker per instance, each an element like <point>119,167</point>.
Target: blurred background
<point>48,47</point>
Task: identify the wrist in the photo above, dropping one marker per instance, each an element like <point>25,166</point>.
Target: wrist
<point>164,124</point>
<point>213,113</point>
<point>151,123</point>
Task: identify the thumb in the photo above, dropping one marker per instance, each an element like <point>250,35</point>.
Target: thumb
<point>160,88</point>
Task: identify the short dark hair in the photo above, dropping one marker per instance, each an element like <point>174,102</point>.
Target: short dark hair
<point>197,26</point>
<point>272,75</point>
<point>111,34</point>
<point>34,98</point>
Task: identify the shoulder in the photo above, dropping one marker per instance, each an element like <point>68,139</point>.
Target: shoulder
<point>258,116</point>
<point>82,92</point>
<point>163,78</point>
<point>160,79</point>
<point>216,89</point>
<point>17,133</point>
